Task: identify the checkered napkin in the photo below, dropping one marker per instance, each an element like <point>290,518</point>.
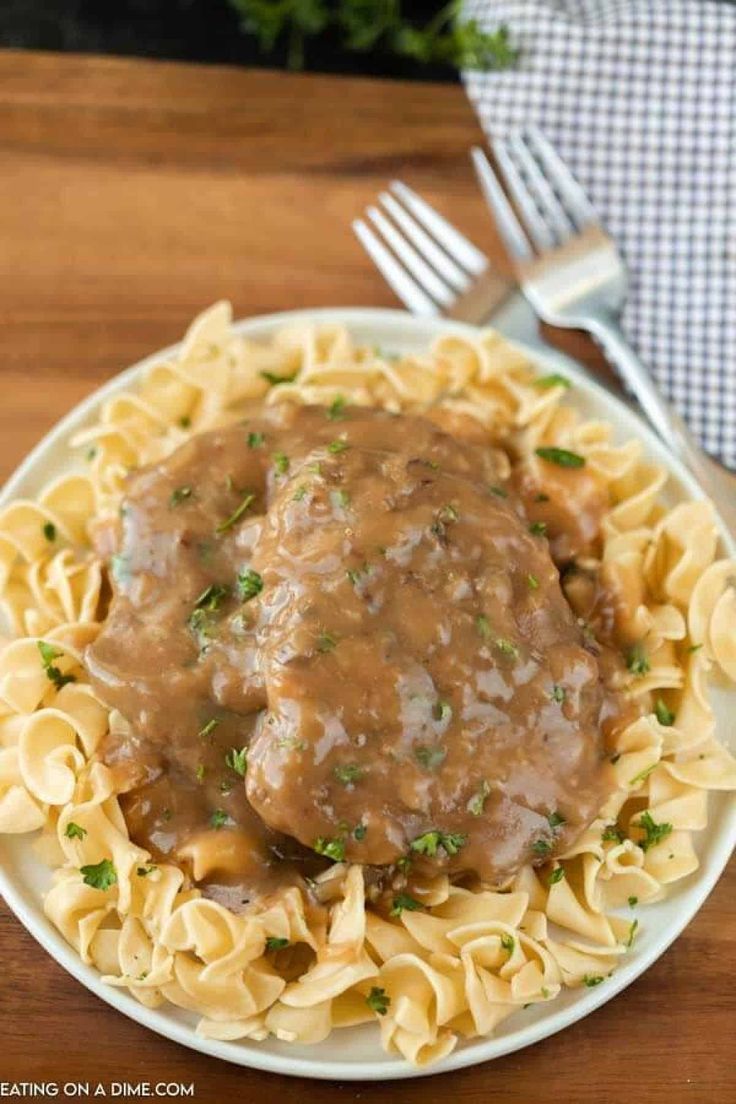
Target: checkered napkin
<point>639,98</point>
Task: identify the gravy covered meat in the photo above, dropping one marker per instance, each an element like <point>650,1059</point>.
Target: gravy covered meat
<point>336,634</point>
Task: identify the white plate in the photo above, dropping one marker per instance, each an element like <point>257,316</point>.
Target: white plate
<point>355,1053</point>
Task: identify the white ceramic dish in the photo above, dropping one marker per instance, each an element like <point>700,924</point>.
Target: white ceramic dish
<point>355,1054</point>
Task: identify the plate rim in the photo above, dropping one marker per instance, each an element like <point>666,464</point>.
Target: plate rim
<point>255,1055</point>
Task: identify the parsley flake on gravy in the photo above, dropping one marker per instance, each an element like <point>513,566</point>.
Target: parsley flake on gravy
<point>236,515</point>
<point>348,773</point>
<point>430,842</point>
<point>101,875</point>
<point>478,800</point>
<point>237,760</point>
<point>219,818</point>
<point>250,584</point>
<point>179,495</point>
<point>403,902</point>
<point>255,440</point>
<point>336,409</point>
<point>337,446</point>
<point>331,848</point>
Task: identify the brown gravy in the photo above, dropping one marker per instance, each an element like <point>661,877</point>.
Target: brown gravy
<point>334,635</point>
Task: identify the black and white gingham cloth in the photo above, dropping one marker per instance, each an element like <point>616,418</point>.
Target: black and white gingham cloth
<point>639,98</point>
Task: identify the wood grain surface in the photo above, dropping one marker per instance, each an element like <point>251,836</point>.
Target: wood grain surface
<point>133,194</point>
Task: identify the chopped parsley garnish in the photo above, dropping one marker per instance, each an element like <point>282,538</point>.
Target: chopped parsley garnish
<point>532,582</point>
<point>538,528</point>
<point>541,497</point>
<point>219,818</point>
<point>556,875</point>
<point>553,380</point>
<point>299,493</point>
<point>281,462</point>
<point>250,584</point>
<point>336,409</point>
<point>101,875</point>
<point>237,760</point>
<point>615,757</point>
<point>236,514</point>
<point>185,421</point>
<point>664,715</point>
<point>612,834</point>
<point>507,647</point>
<point>326,642</point>
<point>208,729</point>
<point>694,648</point>
<point>275,380</point>
<point>558,694</point>
<point>255,440</point>
<point>562,457</point>
<point>655,833</point>
<point>430,757</point>
<point>201,772</point>
<point>442,710</point>
<point>542,847</point>
<point>274,943</point>
<point>359,831</point>
<point>91,453</point>
<point>211,597</point>
<point>378,1001</point>
<point>632,932</point>
<point>633,902</point>
<point>144,871</point>
<point>403,901</point>
<point>637,660</point>
<point>499,492</point>
<point>338,445</point>
<point>478,800</point>
<point>642,775</point>
<point>508,943</point>
<point>430,842</point>
<point>53,674</point>
<point>331,848</point>
<point>49,531</point>
<point>483,625</point>
<point>556,819</point>
<point>74,831</point>
<point>591,980</point>
<point>348,773</point>
<point>181,494</point>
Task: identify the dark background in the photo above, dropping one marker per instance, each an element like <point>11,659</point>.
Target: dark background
<point>191,30</point>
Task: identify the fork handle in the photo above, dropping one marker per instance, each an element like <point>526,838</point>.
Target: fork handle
<point>667,422</point>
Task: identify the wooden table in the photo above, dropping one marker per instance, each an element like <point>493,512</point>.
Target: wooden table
<point>133,195</point>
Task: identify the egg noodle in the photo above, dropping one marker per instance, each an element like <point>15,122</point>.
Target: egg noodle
<point>470,959</point>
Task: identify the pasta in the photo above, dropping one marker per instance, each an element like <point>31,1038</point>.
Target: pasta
<point>469,959</point>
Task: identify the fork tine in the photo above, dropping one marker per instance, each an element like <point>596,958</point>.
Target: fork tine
<point>503,214</point>
<point>407,290</point>
<point>455,243</point>
<point>437,258</point>
<point>575,199</point>
<point>556,215</point>
<point>536,227</point>
<point>407,254</point>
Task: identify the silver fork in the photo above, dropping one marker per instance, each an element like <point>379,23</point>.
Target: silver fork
<point>433,268</point>
<point>574,277</point>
